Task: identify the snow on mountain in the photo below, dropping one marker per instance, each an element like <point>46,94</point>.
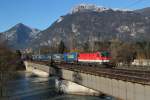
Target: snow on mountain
<point>92,7</point>
<point>88,7</point>
<point>60,19</point>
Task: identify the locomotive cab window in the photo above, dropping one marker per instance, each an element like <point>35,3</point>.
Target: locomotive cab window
<point>105,54</point>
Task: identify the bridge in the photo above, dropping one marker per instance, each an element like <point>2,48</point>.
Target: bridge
<point>122,84</point>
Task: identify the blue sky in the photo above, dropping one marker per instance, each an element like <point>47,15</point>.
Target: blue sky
<point>42,13</point>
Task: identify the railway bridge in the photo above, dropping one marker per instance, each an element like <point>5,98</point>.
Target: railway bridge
<point>122,84</point>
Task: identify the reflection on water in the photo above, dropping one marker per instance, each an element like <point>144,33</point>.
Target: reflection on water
<point>27,86</point>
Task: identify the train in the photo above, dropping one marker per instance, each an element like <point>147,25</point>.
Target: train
<point>96,58</point>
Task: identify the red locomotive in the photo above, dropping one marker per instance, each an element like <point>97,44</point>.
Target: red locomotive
<point>97,57</point>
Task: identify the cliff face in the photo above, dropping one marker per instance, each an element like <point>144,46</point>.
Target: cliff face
<point>89,23</point>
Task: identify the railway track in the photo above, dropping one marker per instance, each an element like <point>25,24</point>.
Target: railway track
<point>142,77</point>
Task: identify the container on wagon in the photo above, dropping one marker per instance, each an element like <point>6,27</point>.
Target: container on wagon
<point>70,57</point>
<point>57,57</point>
<point>43,58</point>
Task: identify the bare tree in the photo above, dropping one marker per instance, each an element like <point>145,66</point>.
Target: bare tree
<point>9,60</point>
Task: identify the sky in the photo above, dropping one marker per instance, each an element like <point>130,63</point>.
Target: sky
<point>41,14</point>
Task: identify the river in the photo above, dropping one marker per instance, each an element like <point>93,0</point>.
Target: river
<point>27,86</point>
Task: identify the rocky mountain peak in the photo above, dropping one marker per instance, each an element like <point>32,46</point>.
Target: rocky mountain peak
<point>93,7</point>
<point>88,7</point>
<point>19,35</point>
<point>88,23</point>
<point>23,26</point>
<point>19,24</point>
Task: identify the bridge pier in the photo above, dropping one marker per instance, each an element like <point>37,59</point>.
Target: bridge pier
<point>69,87</point>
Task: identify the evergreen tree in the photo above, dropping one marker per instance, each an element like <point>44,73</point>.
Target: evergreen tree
<point>61,47</point>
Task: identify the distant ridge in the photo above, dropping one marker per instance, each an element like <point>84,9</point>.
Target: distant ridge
<point>20,35</point>
<point>144,11</point>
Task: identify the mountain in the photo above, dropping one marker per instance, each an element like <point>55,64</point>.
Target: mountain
<point>144,11</point>
<point>87,8</point>
<point>89,23</point>
<point>2,38</point>
<point>20,35</point>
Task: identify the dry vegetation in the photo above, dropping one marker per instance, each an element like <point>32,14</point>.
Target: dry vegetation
<point>9,60</point>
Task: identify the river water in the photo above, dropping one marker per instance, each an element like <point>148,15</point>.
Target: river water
<point>28,86</point>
